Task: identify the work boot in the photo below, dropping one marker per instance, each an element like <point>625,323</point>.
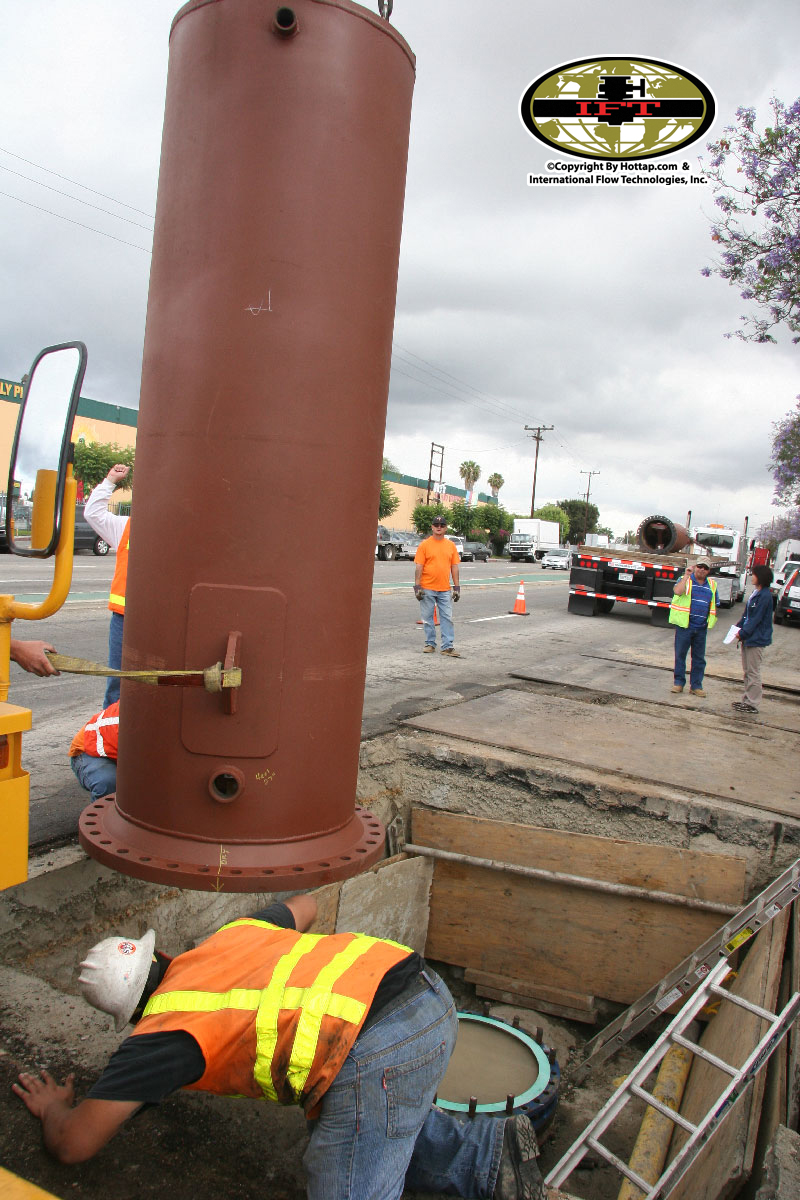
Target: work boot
<point>677,687</point>
<point>697,692</point>
<point>519,1177</point>
<point>451,652</point>
<point>429,650</point>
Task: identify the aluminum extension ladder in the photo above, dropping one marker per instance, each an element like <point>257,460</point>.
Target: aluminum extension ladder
<point>746,923</point>
<point>740,1078</point>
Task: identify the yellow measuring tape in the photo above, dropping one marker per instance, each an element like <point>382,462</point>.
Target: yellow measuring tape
<point>213,679</point>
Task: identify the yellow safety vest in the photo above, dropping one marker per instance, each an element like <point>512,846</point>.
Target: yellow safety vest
<point>680,605</point>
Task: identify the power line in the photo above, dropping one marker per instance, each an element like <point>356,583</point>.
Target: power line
<point>75,183</point>
<point>77,199</point>
<point>73,222</point>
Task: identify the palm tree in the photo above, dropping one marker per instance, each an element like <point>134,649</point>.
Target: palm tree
<point>495,482</point>
<point>470,472</point>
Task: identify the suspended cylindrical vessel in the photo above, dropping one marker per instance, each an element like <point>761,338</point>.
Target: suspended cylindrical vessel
<point>661,536</point>
<point>260,438</point>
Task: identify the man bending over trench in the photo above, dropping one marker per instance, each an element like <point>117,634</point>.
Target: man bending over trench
<point>357,1030</point>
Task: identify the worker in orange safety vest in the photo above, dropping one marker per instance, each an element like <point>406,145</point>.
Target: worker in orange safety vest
<point>115,530</point>
<point>357,1030</point>
<point>93,752</point>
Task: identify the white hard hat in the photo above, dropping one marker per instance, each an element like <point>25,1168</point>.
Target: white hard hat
<point>114,973</point>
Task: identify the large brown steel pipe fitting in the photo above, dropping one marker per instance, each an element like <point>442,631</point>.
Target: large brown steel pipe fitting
<point>258,459</point>
<point>659,535</point>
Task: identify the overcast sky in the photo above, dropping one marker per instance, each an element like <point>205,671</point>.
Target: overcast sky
<point>577,307</point>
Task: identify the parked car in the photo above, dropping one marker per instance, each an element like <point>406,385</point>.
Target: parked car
<point>85,536</point>
<point>408,547</point>
<point>559,560</point>
<point>787,605</point>
<point>458,542</point>
<point>475,552</point>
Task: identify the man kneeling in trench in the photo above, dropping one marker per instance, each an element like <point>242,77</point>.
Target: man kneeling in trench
<point>357,1030</point>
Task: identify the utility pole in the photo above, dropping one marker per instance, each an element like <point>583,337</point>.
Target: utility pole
<point>586,509</point>
<point>536,432</point>
<point>437,459</point>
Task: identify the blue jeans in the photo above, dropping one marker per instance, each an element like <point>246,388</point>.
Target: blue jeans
<point>377,1132</point>
<point>444,602</point>
<point>97,775</point>
<point>114,657</point>
<point>696,639</point>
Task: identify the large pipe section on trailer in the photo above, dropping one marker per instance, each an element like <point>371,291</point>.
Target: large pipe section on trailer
<point>263,404</point>
<point>660,535</point>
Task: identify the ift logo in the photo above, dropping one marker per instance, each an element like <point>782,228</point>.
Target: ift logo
<point>616,108</point>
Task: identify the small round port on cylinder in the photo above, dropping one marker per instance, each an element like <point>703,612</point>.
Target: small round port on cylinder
<point>226,784</point>
<point>285,23</point>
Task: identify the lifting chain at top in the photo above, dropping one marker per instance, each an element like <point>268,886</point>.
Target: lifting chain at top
<point>385,8</point>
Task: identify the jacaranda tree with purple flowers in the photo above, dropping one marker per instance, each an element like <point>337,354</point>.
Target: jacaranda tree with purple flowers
<point>755,177</point>
<point>786,458</point>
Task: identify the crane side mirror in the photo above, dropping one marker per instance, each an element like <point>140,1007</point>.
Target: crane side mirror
<point>41,449</point>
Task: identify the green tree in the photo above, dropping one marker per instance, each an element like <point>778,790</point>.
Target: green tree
<point>423,514</point>
<point>551,512</point>
<point>604,529</point>
<point>389,466</point>
<point>460,518</point>
<point>579,516</point>
<point>495,482</point>
<point>470,472</point>
<point>389,501</point>
<point>93,461</point>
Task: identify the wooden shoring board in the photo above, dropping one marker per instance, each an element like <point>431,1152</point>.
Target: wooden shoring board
<point>793,1066</point>
<point>522,994</point>
<point>556,935</point>
<point>638,745</point>
<point>725,1163</point>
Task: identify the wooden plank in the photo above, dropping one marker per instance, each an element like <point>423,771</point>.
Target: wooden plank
<point>534,990</point>
<point>562,938</point>
<point>544,1006</point>
<point>793,1083</point>
<point>773,1108</point>
<point>725,1163</point>
<point>548,935</point>
<point>692,873</point>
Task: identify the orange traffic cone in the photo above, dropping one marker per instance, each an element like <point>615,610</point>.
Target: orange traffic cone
<point>435,616</point>
<point>519,604</point>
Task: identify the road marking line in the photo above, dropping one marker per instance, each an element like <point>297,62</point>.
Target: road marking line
<point>502,617</point>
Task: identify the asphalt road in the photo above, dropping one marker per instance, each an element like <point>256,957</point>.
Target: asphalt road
<point>400,681</point>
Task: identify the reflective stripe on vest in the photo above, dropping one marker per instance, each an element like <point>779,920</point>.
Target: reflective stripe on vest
<point>116,599</point>
<point>311,1004</point>
<point>679,606</point>
<point>94,741</point>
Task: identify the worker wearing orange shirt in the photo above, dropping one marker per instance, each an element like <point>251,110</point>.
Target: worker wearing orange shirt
<point>435,561</point>
<point>116,531</point>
